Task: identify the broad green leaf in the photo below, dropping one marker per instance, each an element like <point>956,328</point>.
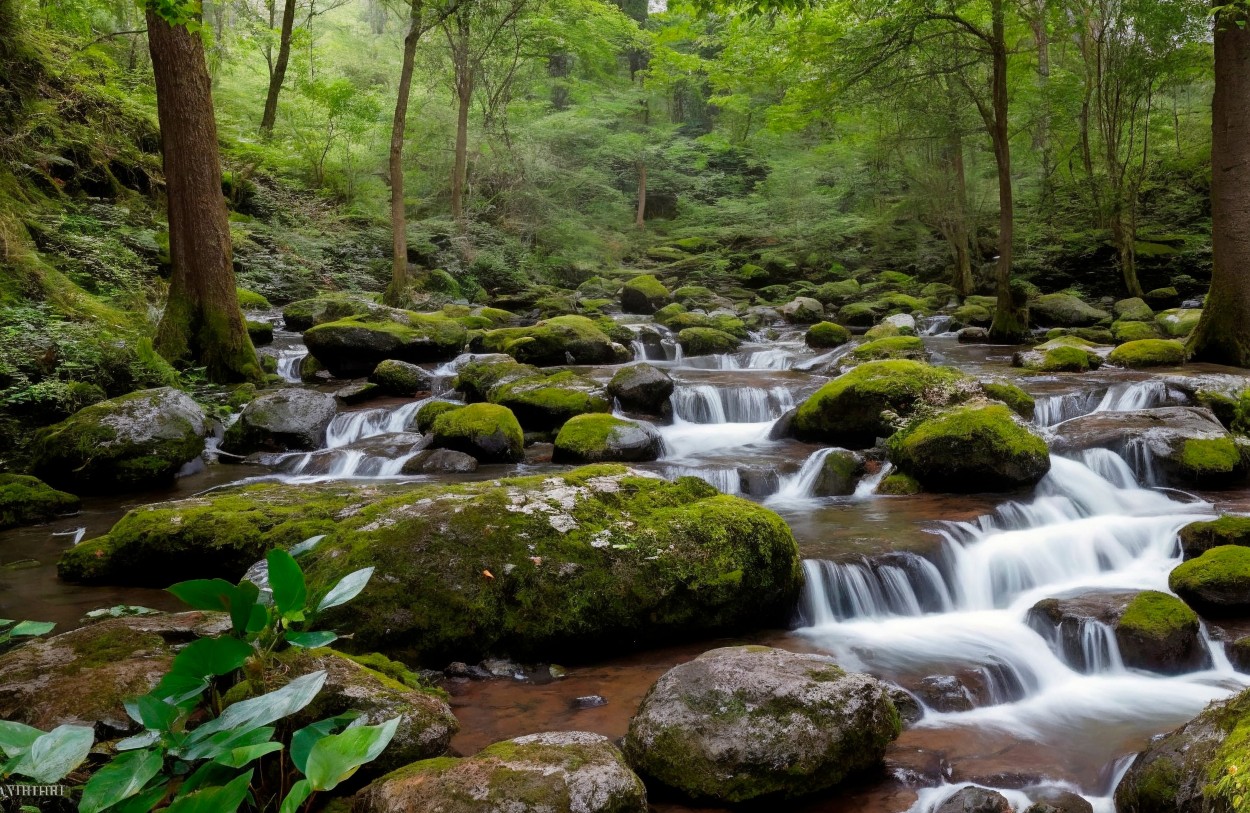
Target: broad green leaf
<point>141,740</point>
<point>223,799</point>
<point>307,545</point>
<point>242,606</point>
<point>311,640</point>
<point>205,594</point>
<point>303,740</point>
<point>336,757</point>
<point>257,620</point>
<point>347,589</point>
<point>152,712</point>
<point>223,742</point>
<point>120,779</point>
<point>28,628</point>
<point>238,757</point>
<point>260,711</point>
<point>52,756</point>
<point>142,802</point>
<point>209,774</point>
<point>299,792</point>
<point>16,738</point>
<point>209,657</point>
<point>177,688</point>
<point>286,579</point>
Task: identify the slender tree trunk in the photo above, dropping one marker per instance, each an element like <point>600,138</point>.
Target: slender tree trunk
<point>1009,324</point>
<point>1124,236</point>
<point>1223,333</point>
<point>1041,139</point>
<point>960,235</point>
<point>202,323</point>
<point>399,224</point>
<point>464,97</point>
<point>640,216</point>
<point>278,75</point>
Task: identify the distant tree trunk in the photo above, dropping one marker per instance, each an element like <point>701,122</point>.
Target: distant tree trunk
<point>961,238</point>
<point>1223,333</point>
<point>202,323</point>
<point>1124,237</point>
<point>464,98</point>
<point>377,17</point>
<point>1009,324</point>
<point>640,216</point>
<point>278,75</point>
<point>399,224</point>
<point>1041,138</point>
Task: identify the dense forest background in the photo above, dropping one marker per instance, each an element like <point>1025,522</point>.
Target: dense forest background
<point>763,154</point>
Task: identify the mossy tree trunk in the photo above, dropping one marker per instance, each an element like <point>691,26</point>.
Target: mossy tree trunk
<point>278,75</point>
<point>202,323</point>
<point>1223,333</point>
<point>399,222</point>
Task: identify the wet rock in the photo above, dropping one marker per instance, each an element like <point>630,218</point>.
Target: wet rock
<point>825,335</point>
<point>594,558</point>
<point>440,461</point>
<point>543,403</point>
<point>357,393</point>
<point>1059,801</point>
<point>261,333</point>
<point>784,426</point>
<point>84,676</point>
<point>1065,310</point>
<point>1239,653</point>
<point>973,799</point>
<point>1199,537</point>
<point>559,340</point>
<point>606,439</point>
<point>1217,583</point>
<point>375,453</point>
<point>1174,772</point>
<point>400,378</point>
<point>305,313</point>
<point>500,668</point>
<point>803,311</point>
<point>945,693</point>
<point>590,701</point>
<point>894,347</point>
<point>487,432</point>
<point>642,388</point>
<point>980,447</point>
<point>1148,353</point>
<point>972,335</point>
<point>282,420</point>
<point>1162,297</point>
<point>705,341</point>
<point>25,500</point>
<point>1178,323</point>
<point>1020,401</point>
<point>1134,310</point>
<point>136,441</point>
<point>909,708</point>
<point>1063,354</point>
<point>759,481</point>
<point>741,723</point>
<point>839,474</point>
<point>643,294</point>
<point>354,346</point>
<point>563,772</point>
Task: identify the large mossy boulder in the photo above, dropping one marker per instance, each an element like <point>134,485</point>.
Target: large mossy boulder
<point>1064,354</point>
<point>744,723</point>
<point>1178,322</point>
<point>1133,310</point>
<point>401,378</point>
<point>803,310</point>
<point>84,676</point>
<point>559,772</point>
<point>826,335</point>
<point>642,388</point>
<point>488,432</point>
<point>279,421</point>
<point>892,347</point>
<point>140,440</point>
<point>25,500</point>
<point>706,341</point>
<point>1217,583</point>
<point>606,439</point>
<point>1176,772</point>
<point>542,403</point>
<point>596,558</point>
<point>860,406</point>
<point>1064,310</point>
<point>551,342</point>
<point>979,447</point>
<point>1148,353</point>
<point>478,376</point>
<point>1199,537</point>
<point>355,345</point>
<point>643,294</point>
<point>1020,401</point>
<point>306,313</point>
<point>1125,331</point>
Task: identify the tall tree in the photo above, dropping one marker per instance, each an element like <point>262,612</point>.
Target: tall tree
<point>202,323</point>
<point>278,73</point>
<point>1223,333</point>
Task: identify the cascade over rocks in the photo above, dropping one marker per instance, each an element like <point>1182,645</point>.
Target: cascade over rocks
<point>595,557</point>
<point>289,418</point>
<point>642,388</point>
<point>559,772</point>
<point>135,441</point>
<point>742,723</point>
<point>973,799</point>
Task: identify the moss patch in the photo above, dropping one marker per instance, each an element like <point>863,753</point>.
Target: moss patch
<point>704,341</point>
<point>488,432</point>
<point>1199,537</point>
<point>1215,583</point>
<point>1148,353</point>
<point>893,347</point>
<point>1020,401</point>
<point>1210,459</point>
<point>558,340</point>
<point>1157,615</point>
<point>24,500</point>
<point>824,335</point>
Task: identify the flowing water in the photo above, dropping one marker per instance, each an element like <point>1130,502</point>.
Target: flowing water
<point>921,591</point>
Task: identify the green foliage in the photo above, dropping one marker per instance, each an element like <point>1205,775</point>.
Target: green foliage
<point>12,632</point>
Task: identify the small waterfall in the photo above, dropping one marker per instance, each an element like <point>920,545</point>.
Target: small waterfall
<point>289,362</point>
<point>775,358</point>
<point>935,325</point>
<point>351,427</point>
<point>334,464</point>
<point>705,403</point>
<point>868,486</point>
<point>725,480</point>
<point>802,484</point>
<point>1140,395</point>
<point>900,585</point>
<point>1050,410</point>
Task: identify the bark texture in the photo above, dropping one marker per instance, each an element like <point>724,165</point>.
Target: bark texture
<point>399,222</point>
<point>202,323</point>
<point>1009,324</point>
<point>278,76</point>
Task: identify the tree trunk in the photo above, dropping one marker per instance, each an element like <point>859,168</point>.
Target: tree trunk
<point>1223,333</point>
<point>464,97</point>
<point>960,236</point>
<point>1041,139</point>
<point>1009,323</point>
<point>399,224</point>
<point>1124,237</point>
<point>278,74</point>
<point>640,216</point>
<point>202,323</point>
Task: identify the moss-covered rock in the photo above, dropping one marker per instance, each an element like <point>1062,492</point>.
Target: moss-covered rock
<point>1199,537</point>
<point>261,333</point>
<point>400,378</point>
<point>306,313</point>
<point>837,293</point>
<point>1133,310</point>
<point>899,485</point>
<point>423,421</point>
<point>559,340</point>
<point>858,314</point>
<point>1069,354</point>
<point>488,432</point>
<point>531,566</point>
<point>697,296</point>
<point>1178,322</point>
<point>542,403</point>
<point>355,345</point>
<point>135,441</point>
<point>606,439</point>
<point>25,500</point>
<point>824,335</point>
<point>1124,331</point>
<point>251,301</point>
<point>704,341</point>
<point>642,388</point>
<point>1065,310</point>
<point>862,405</point>
<point>476,378</point>
<point>563,772</point>
<point>803,310</point>
<point>972,448</point>
<point>1217,583</point>
<point>750,722</point>
<point>1175,773</point>
<point>1157,632</point>
<point>894,347</point>
<point>974,799</point>
<point>1148,353</point>
<point>971,315</point>
<point>282,420</point>
<point>1211,461</point>
<point>1020,401</point>
<point>643,294</point>
<point>839,473</point>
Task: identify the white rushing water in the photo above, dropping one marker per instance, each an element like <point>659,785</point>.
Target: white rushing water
<point>708,403</point>
<point>1088,527</point>
<point>1052,410</point>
